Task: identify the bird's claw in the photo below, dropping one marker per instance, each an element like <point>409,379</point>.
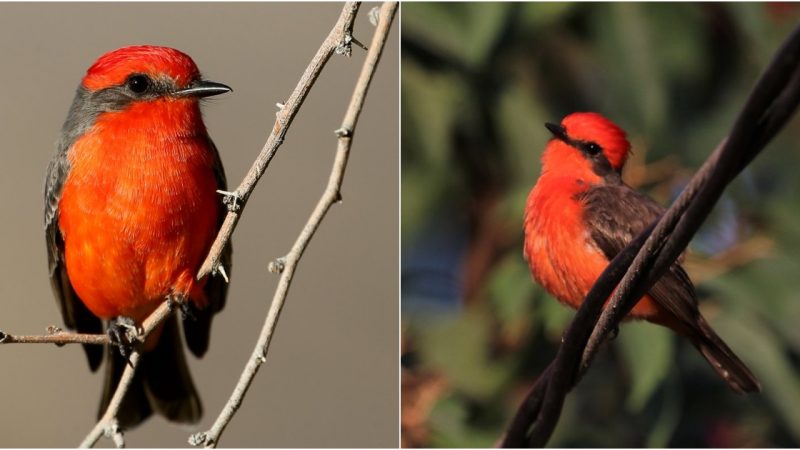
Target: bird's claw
<point>123,333</point>
<point>188,311</point>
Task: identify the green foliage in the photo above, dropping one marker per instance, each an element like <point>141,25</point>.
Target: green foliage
<point>478,82</point>
<point>647,352</point>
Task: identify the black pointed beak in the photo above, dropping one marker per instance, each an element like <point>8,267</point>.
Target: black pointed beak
<point>558,131</point>
<point>202,88</point>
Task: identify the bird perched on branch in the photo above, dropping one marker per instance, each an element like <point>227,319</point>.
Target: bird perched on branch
<point>581,214</point>
<point>131,210</point>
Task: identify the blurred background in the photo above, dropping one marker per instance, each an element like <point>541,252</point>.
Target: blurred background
<point>478,82</point>
<point>331,376</point>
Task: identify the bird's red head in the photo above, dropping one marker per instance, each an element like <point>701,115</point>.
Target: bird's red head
<point>114,67</point>
<point>588,136</point>
<point>145,82</point>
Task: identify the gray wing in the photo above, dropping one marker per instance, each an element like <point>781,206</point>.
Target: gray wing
<point>616,214</point>
<point>76,316</point>
<point>197,330</point>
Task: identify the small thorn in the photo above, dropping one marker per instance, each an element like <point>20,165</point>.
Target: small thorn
<point>338,199</point>
<point>231,199</point>
<point>343,132</point>
<point>355,41</point>
<point>221,271</point>
<point>278,265</point>
<point>3,337</point>
<point>280,106</point>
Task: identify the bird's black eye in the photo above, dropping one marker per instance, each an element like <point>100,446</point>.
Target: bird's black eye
<point>593,149</point>
<point>138,84</point>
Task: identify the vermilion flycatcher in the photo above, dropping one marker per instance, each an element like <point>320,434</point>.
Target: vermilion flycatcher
<point>581,214</point>
<point>131,210</point>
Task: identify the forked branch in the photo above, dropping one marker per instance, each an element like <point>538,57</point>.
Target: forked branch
<point>288,264</point>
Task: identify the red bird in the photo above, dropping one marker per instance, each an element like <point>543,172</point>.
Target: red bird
<point>131,210</point>
<point>581,214</point>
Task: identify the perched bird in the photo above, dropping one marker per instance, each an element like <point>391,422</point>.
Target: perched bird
<point>580,214</point>
<point>131,210</point>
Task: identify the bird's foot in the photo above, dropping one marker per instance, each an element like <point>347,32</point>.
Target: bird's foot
<point>188,310</point>
<point>123,333</point>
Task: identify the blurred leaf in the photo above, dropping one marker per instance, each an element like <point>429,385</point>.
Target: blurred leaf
<point>511,289</point>
<point>669,416</point>
<point>459,349</point>
<point>430,106</point>
<point>648,352</point>
<point>555,317</point>
<point>628,40</point>
<point>466,32</point>
<point>525,138</point>
<point>450,428</point>
<point>536,15</point>
<point>761,350</point>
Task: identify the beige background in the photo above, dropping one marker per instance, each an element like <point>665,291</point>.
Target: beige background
<point>331,377</point>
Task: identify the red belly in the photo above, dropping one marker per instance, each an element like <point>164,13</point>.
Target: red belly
<point>137,223</point>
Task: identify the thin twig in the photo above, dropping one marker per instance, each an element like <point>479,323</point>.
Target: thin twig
<point>339,38</point>
<point>108,425</point>
<point>289,263</point>
<point>772,102</point>
<point>58,337</point>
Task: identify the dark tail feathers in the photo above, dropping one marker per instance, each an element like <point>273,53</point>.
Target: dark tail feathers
<point>162,383</point>
<point>727,365</point>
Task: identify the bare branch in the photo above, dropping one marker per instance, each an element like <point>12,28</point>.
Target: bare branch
<point>290,262</point>
<point>55,336</point>
<point>108,425</point>
<point>339,37</point>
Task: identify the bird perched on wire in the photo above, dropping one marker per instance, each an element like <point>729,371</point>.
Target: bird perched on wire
<point>580,214</point>
<point>131,210</point>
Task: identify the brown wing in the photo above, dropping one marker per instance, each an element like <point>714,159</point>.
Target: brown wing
<point>76,316</point>
<point>616,214</point>
<point>197,330</point>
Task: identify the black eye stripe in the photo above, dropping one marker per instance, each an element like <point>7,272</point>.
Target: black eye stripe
<point>593,152</point>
